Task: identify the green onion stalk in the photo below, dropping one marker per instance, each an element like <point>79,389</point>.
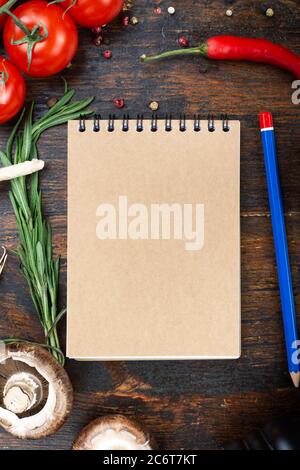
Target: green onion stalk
<point>39,267</point>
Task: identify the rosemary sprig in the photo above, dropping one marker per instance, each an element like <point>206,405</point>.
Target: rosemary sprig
<point>38,265</point>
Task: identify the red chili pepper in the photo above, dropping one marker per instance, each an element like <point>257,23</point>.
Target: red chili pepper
<point>240,48</point>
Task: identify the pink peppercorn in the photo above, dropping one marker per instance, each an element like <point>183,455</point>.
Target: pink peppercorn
<point>97,30</point>
<point>183,41</point>
<point>119,103</point>
<point>107,54</point>
<point>125,20</point>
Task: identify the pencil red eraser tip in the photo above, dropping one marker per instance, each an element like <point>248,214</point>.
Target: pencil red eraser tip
<point>266,120</point>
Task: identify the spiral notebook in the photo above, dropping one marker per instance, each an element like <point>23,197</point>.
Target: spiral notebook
<point>153,239</point>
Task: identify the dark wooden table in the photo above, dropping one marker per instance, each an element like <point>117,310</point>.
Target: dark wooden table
<point>189,404</point>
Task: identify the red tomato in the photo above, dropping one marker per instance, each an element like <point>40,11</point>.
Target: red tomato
<point>12,90</point>
<point>93,13</point>
<point>50,55</point>
<point>2,17</point>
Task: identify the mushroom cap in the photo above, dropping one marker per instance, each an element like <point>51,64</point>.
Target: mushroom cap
<point>116,432</point>
<point>50,415</point>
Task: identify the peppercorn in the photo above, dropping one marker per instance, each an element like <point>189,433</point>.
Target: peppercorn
<point>157,10</point>
<point>267,9</point>
<point>97,41</point>
<point>229,12</point>
<point>119,103</point>
<point>51,102</point>
<point>171,10</point>
<point>96,30</point>
<point>107,54</point>
<point>125,20</point>
<point>269,12</point>
<point>128,5</point>
<point>154,105</point>
<point>183,41</point>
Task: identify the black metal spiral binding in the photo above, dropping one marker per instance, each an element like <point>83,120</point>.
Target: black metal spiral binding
<point>96,126</point>
<point>81,127</point>
<point>197,126</point>
<point>154,123</point>
<point>182,126</point>
<point>139,123</point>
<point>211,123</point>
<point>168,122</point>
<point>225,122</point>
<point>125,124</point>
<point>111,123</point>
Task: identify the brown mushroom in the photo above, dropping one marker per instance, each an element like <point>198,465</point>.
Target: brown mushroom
<point>36,395</point>
<point>115,432</point>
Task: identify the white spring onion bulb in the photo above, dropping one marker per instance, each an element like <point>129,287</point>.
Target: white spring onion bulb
<point>21,169</point>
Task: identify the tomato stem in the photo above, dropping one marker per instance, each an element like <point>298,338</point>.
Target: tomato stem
<point>31,38</point>
<point>3,78</point>
<point>7,6</point>
<point>19,23</point>
<point>60,1</point>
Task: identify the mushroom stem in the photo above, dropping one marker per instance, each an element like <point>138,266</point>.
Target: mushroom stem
<point>22,392</point>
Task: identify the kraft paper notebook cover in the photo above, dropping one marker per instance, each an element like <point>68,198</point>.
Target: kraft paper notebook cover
<point>153,241</point>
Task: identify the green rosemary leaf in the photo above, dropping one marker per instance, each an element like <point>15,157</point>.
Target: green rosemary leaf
<point>62,102</point>
<point>56,265</point>
<point>34,152</point>
<point>18,148</point>
<point>79,105</point>
<point>18,220</point>
<point>4,160</point>
<point>57,320</point>
<point>66,86</point>
<point>26,147</point>
<point>70,109</point>
<point>57,120</point>
<point>11,138</point>
<point>33,191</point>
<point>48,237</point>
<point>34,297</point>
<point>20,196</point>
<point>53,291</point>
<point>14,205</point>
<point>61,116</point>
<point>28,248</point>
<point>54,276</point>
<point>40,260</point>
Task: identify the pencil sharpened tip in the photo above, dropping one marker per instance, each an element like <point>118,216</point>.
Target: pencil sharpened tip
<point>295,376</point>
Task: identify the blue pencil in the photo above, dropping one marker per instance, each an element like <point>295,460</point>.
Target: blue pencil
<point>281,248</point>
